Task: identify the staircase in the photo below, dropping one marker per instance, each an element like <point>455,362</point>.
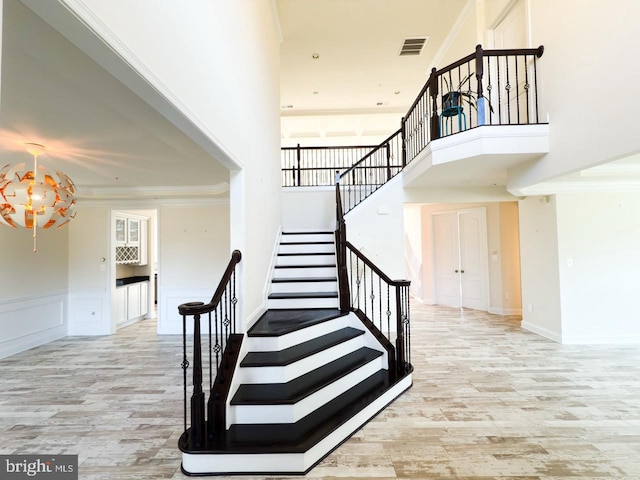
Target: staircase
<point>309,375</point>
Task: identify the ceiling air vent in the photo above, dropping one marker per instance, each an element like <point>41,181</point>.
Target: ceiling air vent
<point>413,46</point>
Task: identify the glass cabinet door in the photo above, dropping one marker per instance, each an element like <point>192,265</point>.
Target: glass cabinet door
<point>121,230</point>
<point>134,227</point>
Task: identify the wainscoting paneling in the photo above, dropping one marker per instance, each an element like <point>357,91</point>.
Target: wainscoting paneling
<point>31,321</point>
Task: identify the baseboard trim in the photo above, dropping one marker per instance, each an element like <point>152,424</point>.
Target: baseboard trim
<point>600,339</point>
<point>505,311</point>
<point>556,337</point>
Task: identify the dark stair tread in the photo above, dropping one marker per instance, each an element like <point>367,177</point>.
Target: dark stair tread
<point>296,295</point>
<point>304,385</point>
<point>300,351</point>
<point>305,254</point>
<point>306,243</point>
<point>274,323</point>
<point>302,435</point>
<point>328,265</point>
<point>304,279</point>
<point>309,233</point>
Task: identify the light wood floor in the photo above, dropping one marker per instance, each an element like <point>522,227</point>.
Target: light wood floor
<point>489,400</point>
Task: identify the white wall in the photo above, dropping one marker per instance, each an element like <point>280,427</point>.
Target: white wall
<point>33,288</point>
<point>583,62</point>
<point>308,208</point>
<point>599,261</point>
<point>413,248</point>
<point>539,265</point>
<point>89,276</point>
<point>194,252</point>
<point>376,228</point>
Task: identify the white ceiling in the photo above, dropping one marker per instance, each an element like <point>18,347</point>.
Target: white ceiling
<point>359,86</point>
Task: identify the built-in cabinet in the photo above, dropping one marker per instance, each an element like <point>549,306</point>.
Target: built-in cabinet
<point>131,240</point>
<point>132,302</point>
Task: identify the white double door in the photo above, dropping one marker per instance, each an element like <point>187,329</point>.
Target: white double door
<point>461,259</point>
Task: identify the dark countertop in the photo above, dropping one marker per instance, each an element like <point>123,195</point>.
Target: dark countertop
<point>128,280</point>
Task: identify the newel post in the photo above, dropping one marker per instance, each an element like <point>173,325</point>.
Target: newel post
<point>403,139</point>
<point>433,92</point>
<point>402,324</point>
<point>341,252</point>
<point>481,100</point>
<point>298,155</point>
<point>197,399</point>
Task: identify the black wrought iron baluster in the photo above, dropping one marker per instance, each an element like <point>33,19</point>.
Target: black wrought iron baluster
<point>351,274</point>
<point>210,353</point>
<point>388,311</point>
<point>535,79</point>
<point>380,303</point>
<point>489,88</point>
<point>527,87</point>
<point>298,161</point>
<point>516,57</point>
<point>470,91</point>
<point>372,297</point>
<point>507,88</point>
<point>226,322</point>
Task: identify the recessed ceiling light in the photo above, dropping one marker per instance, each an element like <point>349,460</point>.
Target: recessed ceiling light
<point>315,56</point>
<point>397,92</point>
<point>315,92</point>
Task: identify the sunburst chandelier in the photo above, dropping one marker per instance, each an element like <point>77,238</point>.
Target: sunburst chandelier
<point>35,198</point>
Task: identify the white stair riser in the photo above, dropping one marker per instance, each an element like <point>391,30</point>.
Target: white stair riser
<point>289,303</point>
<point>284,374</point>
<point>268,344</point>
<point>293,413</point>
<point>306,248</point>
<point>308,237</point>
<point>305,272</point>
<point>283,287</point>
<point>306,260</point>
<point>289,463</point>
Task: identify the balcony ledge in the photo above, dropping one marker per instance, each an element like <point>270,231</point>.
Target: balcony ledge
<point>477,157</point>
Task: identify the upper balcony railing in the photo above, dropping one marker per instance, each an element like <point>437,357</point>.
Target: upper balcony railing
<point>316,166</point>
<point>487,87</point>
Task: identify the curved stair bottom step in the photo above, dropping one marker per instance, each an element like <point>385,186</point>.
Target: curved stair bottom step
<point>284,462</point>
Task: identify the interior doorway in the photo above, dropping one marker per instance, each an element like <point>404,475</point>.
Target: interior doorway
<point>134,266</point>
<point>461,273</point>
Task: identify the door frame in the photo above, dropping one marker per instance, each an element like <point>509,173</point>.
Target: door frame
<point>483,251</point>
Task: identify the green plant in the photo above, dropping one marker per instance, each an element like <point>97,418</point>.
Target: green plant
<point>457,97</point>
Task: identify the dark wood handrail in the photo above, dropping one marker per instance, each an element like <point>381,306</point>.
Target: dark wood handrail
<point>372,266</point>
<point>198,308</point>
<point>515,51</point>
<point>325,147</point>
<point>377,147</point>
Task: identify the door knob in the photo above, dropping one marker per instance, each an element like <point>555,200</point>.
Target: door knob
<point>456,271</point>
<point>461,271</point>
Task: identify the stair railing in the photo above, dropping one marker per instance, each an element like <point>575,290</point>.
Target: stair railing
<point>374,170</point>
<point>223,348</point>
<point>382,304</point>
<point>314,166</point>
